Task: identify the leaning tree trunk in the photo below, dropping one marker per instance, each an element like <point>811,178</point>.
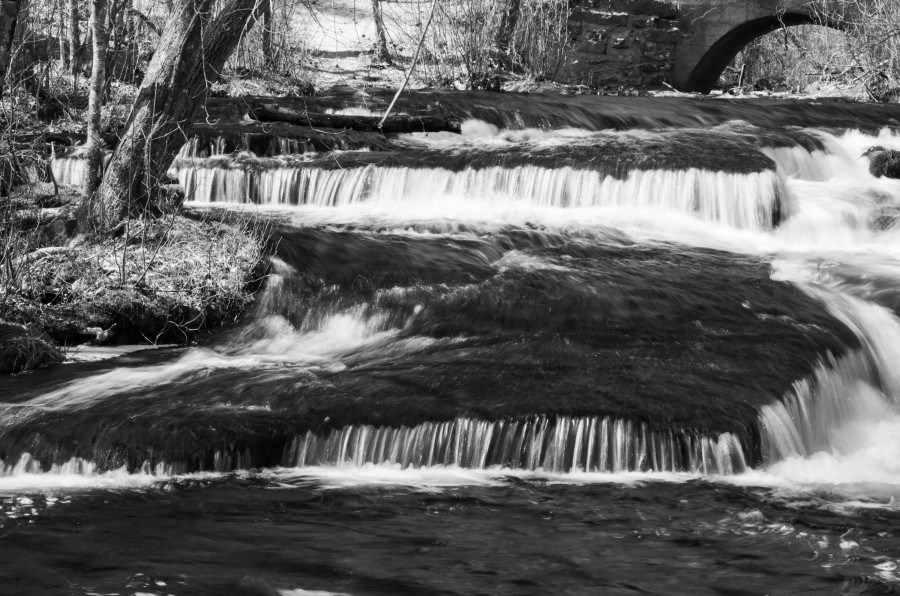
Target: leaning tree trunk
<point>190,57</point>
<point>95,98</point>
<point>381,47</point>
<point>9,14</point>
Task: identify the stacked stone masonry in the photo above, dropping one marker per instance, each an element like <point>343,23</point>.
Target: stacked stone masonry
<point>622,43</point>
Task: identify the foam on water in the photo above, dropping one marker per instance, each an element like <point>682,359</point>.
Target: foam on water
<point>352,111</point>
<point>479,133</point>
<point>275,343</point>
<point>302,592</point>
<point>433,478</point>
<point>27,475</point>
<point>270,340</point>
<point>854,143</point>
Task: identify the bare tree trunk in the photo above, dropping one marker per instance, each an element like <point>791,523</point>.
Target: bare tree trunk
<point>267,37</point>
<point>61,37</point>
<point>115,31</point>
<point>9,14</point>
<point>190,57</point>
<point>27,67</point>
<point>130,45</point>
<point>95,97</point>
<point>381,47</point>
<point>505,31</point>
<point>74,35</point>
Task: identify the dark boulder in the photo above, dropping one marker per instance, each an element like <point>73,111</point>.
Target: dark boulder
<point>883,162</point>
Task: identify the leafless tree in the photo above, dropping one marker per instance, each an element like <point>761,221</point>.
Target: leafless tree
<point>874,28</point>
<point>9,13</point>
<point>192,51</point>
<point>381,47</point>
<point>94,148</point>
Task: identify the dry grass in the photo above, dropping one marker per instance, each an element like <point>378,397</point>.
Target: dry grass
<point>162,279</point>
<point>21,350</point>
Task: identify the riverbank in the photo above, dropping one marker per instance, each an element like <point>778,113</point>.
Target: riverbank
<point>160,279</point>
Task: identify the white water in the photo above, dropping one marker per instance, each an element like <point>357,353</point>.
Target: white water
<point>271,341</point>
<point>746,201</point>
<point>564,444</point>
<point>838,431</point>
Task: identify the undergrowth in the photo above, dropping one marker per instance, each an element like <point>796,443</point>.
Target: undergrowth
<point>162,279</point>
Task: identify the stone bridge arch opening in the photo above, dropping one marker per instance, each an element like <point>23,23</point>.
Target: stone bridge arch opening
<point>703,75</point>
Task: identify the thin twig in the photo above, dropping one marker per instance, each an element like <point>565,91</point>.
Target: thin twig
<point>412,66</point>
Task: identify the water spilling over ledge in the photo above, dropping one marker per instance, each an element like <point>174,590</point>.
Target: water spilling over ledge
<point>267,140</point>
<point>559,445</point>
<point>717,175</point>
<point>748,201</point>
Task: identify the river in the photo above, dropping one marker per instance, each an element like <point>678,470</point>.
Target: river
<point>550,355</point>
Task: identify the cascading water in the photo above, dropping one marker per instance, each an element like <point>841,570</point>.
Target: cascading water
<point>651,351</point>
<point>561,445</point>
<point>741,200</point>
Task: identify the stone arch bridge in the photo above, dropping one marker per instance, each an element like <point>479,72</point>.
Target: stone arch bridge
<point>684,43</point>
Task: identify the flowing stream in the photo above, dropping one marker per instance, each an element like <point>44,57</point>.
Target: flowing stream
<point>512,361</point>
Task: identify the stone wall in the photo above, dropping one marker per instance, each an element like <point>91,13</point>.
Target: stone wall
<point>621,43</point>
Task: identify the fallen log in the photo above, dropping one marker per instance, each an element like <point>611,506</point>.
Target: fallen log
<point>45,140</point>
<point>33,218</point>
<point>398,123</point>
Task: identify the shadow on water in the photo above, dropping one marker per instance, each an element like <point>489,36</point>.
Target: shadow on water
<point>249,536</point>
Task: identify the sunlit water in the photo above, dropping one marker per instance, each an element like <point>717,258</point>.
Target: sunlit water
<point>418,280</point>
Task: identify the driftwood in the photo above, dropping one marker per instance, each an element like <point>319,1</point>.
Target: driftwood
<point>398,123</point>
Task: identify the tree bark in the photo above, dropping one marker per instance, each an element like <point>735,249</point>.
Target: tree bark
<point>9,13</point>
<point>381,47</point>
<point>61,37</point>
<point>94,146</point>
<point>268,54</point>
<point>190,57</point>
<point>74,35</point>
<point>505,31</point>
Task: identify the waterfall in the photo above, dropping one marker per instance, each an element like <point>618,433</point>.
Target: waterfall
<point>202,146</point>
<point>558,445</point>
<point>748,201</point>
<point>79,468</point>
<point>844,406</point>
<point>562,444</point>
<point>814,416</point>
<point>817,165</point>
